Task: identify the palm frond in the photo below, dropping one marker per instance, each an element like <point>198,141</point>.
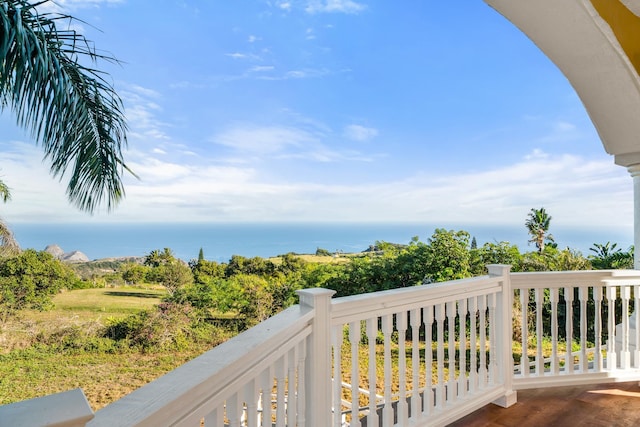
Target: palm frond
<point>5,192</point>
<point>70,108</point>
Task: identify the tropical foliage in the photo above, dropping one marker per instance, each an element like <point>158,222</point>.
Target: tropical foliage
<point>538,227</point>
<point>609,256</point>
<point>30,279</point>
<point>47,77</point>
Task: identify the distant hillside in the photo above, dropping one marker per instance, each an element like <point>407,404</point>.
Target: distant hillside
<point>100,267</point>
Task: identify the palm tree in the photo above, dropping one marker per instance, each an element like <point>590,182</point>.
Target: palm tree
<point>609,256</point>
<point>538,226</point>
<point>69,108</point>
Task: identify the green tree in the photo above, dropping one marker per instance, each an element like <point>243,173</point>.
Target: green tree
<point>256,265</point>
<point>608,256</point>
<point>204,270</point>
<point>133,272</point>
<point>537,225</point>
<point>156,258</point>
<point>176,275</point>
<point>29,280</point>
<point>495,253</point>
<point>448,256</point>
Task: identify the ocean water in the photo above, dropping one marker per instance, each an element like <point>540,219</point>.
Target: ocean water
<point>220,241</point>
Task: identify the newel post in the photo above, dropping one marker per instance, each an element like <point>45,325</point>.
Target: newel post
<point>504,314</point>
<point>318,365</point>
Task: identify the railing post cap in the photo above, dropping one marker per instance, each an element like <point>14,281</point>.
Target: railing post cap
<point>316,292</point>
<point>498,269</point>
<point>309,297</point>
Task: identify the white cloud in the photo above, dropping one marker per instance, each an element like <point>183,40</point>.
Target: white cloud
<point>305,73</point>
<point>310,34</point>
<point>264,140</point>
<point>334,6</point>
<point>536,154</point>
<point>360,133</point>
<point>261,68</point>
<point>141,112</point>
<point>575,190</point>
<point>239,55</point>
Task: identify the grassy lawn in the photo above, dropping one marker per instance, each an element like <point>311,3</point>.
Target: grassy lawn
<point>118,301</point>
<point>30,369</point>
<point>103,377</point>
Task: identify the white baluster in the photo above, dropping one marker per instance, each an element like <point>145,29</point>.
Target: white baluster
<point>354,338</point>
<point>553,297</point>
<point>583,296</point>
<point>302,397</point>
<point>266,384</point>
<point>625,356</point>
<point>336,337</point>
<point>387,409</point>
<point>493,340</point>
<point>292,403</point>
<point>440,388</point>
<point>451,351</point>
<point>280,370</point>
<point>462,326</point>
<point>597,328</point>
<point>429,397</point>
<point>473,343</point>
<point>539,332</point>
<point>482,373</point>
<point>372,334</point>
<point>403,410</point>
<point>234,410</point>
<point>611,328</point>
<point>251,398</point>
<point>569,362</point>
<point>524,360</point>
<point>416,402</point>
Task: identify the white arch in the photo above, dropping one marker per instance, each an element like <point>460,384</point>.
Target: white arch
<point>585,48</point>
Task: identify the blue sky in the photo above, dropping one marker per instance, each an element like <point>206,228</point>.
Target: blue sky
<point>332,110</point>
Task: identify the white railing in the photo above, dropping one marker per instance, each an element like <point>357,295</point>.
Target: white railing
<point>575,314</point>
<point>260,376</point>
<point>424,355</point>
<point>409,340</point>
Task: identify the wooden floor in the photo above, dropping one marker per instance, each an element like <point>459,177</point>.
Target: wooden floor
<point>603,405</point>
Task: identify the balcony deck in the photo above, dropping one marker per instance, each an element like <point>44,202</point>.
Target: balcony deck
<point>591,405</point>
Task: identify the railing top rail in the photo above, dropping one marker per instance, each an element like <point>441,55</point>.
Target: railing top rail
<point>352,308</point>
<point>555,279</point>
<point>179,393</point>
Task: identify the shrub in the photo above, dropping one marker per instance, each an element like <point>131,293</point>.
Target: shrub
<point>30,279</point>
<point>169,326</point>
